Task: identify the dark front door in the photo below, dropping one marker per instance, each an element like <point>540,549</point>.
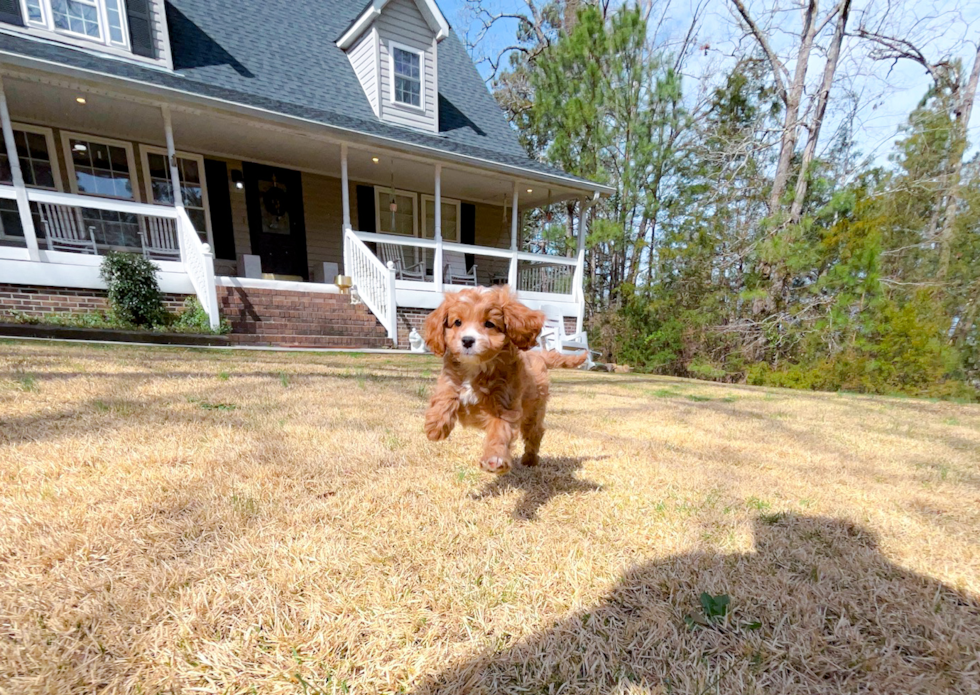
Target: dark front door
<point>275,218</point>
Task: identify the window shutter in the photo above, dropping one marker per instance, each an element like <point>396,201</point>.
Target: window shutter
<point>467,229</point>
<point>10,12</point>
<point>365,209</point>
<point>219,206</point>
<point>140,27</point>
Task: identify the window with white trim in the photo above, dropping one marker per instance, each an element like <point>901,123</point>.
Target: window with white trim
<point>35,150</point>
<point>401,219</point>
<point>102,21</point>
<point>406,74</point>
<point>193,187</point>
<point>451,219</point>
<point>104,168</point>
<point>36,153</point>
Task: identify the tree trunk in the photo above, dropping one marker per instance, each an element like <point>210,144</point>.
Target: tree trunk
<point>964,109</point>
<point>823,95</point>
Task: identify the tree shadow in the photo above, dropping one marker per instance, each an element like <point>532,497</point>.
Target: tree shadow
<point>194,48</point>
<point>552,477</point>
<point>816,608</point>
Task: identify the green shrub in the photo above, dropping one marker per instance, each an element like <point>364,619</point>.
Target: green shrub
<point>134,293</point>
<point>194,319</point>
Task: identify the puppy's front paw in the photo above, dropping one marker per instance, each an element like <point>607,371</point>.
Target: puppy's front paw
<point>495,464</point>
<point>437,429</point>
<point>529,459</point>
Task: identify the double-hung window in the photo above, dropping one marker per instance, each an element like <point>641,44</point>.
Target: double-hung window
<point>104,168</point>
<point>193,189</point>
<point>35,151</point>
<point>450,218</point>
<point>103,21</point>
<point>406,71</point>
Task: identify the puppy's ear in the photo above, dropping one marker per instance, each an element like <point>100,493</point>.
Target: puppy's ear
<point>521,324</point>
<point>434,330</point>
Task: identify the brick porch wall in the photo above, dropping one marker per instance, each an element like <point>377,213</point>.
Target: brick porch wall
<point>37,300</point>
<point>407,319</point>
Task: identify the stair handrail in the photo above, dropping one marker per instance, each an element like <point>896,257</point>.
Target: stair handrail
<point>373,281</point>
<point>199,263</point>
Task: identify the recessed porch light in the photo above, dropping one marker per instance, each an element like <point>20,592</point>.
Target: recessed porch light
<point>375,160</point>
<point>80,100</point>
<point>530,190</point>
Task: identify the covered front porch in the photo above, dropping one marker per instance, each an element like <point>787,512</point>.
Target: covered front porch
<point>219,199</point>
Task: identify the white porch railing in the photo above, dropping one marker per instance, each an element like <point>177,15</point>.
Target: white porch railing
<point>538,279</point>
<point>373,281</point>
<point>107,223</point>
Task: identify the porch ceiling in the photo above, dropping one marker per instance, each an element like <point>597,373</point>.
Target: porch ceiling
<point>212,133</point>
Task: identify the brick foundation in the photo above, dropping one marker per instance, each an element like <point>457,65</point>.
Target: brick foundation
<point>407,319</point>
<point>36,300</point>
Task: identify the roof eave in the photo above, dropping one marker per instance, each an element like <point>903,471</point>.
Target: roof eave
<point>430,11</point>
<point>341,133</point>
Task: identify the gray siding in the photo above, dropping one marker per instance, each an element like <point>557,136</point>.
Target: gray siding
<point>401,22</point>
<point>161,35</point>
<point>363,57</point>
<point>324,214</point>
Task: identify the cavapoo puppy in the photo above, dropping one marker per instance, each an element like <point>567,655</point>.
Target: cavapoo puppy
<point>489,379</point>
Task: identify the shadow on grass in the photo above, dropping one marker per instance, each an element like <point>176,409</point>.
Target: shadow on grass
<point>816,608</point>
<point>552,477</point>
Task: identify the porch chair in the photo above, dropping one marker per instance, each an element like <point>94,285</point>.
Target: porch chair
<point>554,337</point>
<point>64,229</point>
<point>391,255</point>
<point>159,236</point>
<point>454,270</point>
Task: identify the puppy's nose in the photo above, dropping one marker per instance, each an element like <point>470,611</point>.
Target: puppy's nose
<point>468,341</point>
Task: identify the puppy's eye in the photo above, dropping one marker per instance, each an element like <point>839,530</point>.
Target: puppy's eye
<point>457,323</point>
<point>489,324</point>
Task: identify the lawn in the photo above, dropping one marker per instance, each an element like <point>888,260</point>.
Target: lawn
<point>212,521</point>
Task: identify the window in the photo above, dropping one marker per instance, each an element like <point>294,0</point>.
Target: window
<point>103,21</point>
<point>400,221</point>
<point>100,167</point>
<point>105,168</point>
<point>406,71</point>
<point>193,189</point>
<point>35,148</point>
<point>450,218</point>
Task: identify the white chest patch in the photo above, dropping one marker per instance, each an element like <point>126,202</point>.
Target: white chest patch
<point>467,396</point>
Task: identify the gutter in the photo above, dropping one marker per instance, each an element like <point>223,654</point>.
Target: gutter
<point>349,134</point>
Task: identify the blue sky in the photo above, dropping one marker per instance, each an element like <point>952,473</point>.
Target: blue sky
<point>885,92</point>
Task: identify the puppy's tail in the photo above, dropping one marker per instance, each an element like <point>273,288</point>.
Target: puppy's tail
<point>554,359</point>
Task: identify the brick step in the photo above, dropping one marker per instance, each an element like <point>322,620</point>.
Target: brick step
<point>301,329</point>
<point>311,341</point>
<point>327,314</point>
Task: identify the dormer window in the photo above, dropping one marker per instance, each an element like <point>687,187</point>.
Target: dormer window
<point>407,69</point>
<point>102,21</point>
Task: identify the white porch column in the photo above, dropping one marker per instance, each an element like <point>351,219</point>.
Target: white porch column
<point>345,187</point>
<point>23,205</point>
<point>437,262</point>
<point>168,131</point>
<point>512,273</point>
<point>582,207</point>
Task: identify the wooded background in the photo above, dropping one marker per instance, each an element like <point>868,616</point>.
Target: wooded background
<point>750,239</point>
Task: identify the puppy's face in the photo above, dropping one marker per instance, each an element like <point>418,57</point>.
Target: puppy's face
<point>475,325</point>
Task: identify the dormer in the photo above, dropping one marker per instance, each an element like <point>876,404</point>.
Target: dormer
<point>393,48</point>
<point>127,28</point>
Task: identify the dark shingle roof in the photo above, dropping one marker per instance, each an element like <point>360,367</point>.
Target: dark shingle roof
<point>282,56</point>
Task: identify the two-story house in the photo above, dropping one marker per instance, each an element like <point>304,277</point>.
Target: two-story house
<point>258,149</point>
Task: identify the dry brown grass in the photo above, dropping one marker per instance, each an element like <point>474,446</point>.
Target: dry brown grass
<point>191,521</point>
